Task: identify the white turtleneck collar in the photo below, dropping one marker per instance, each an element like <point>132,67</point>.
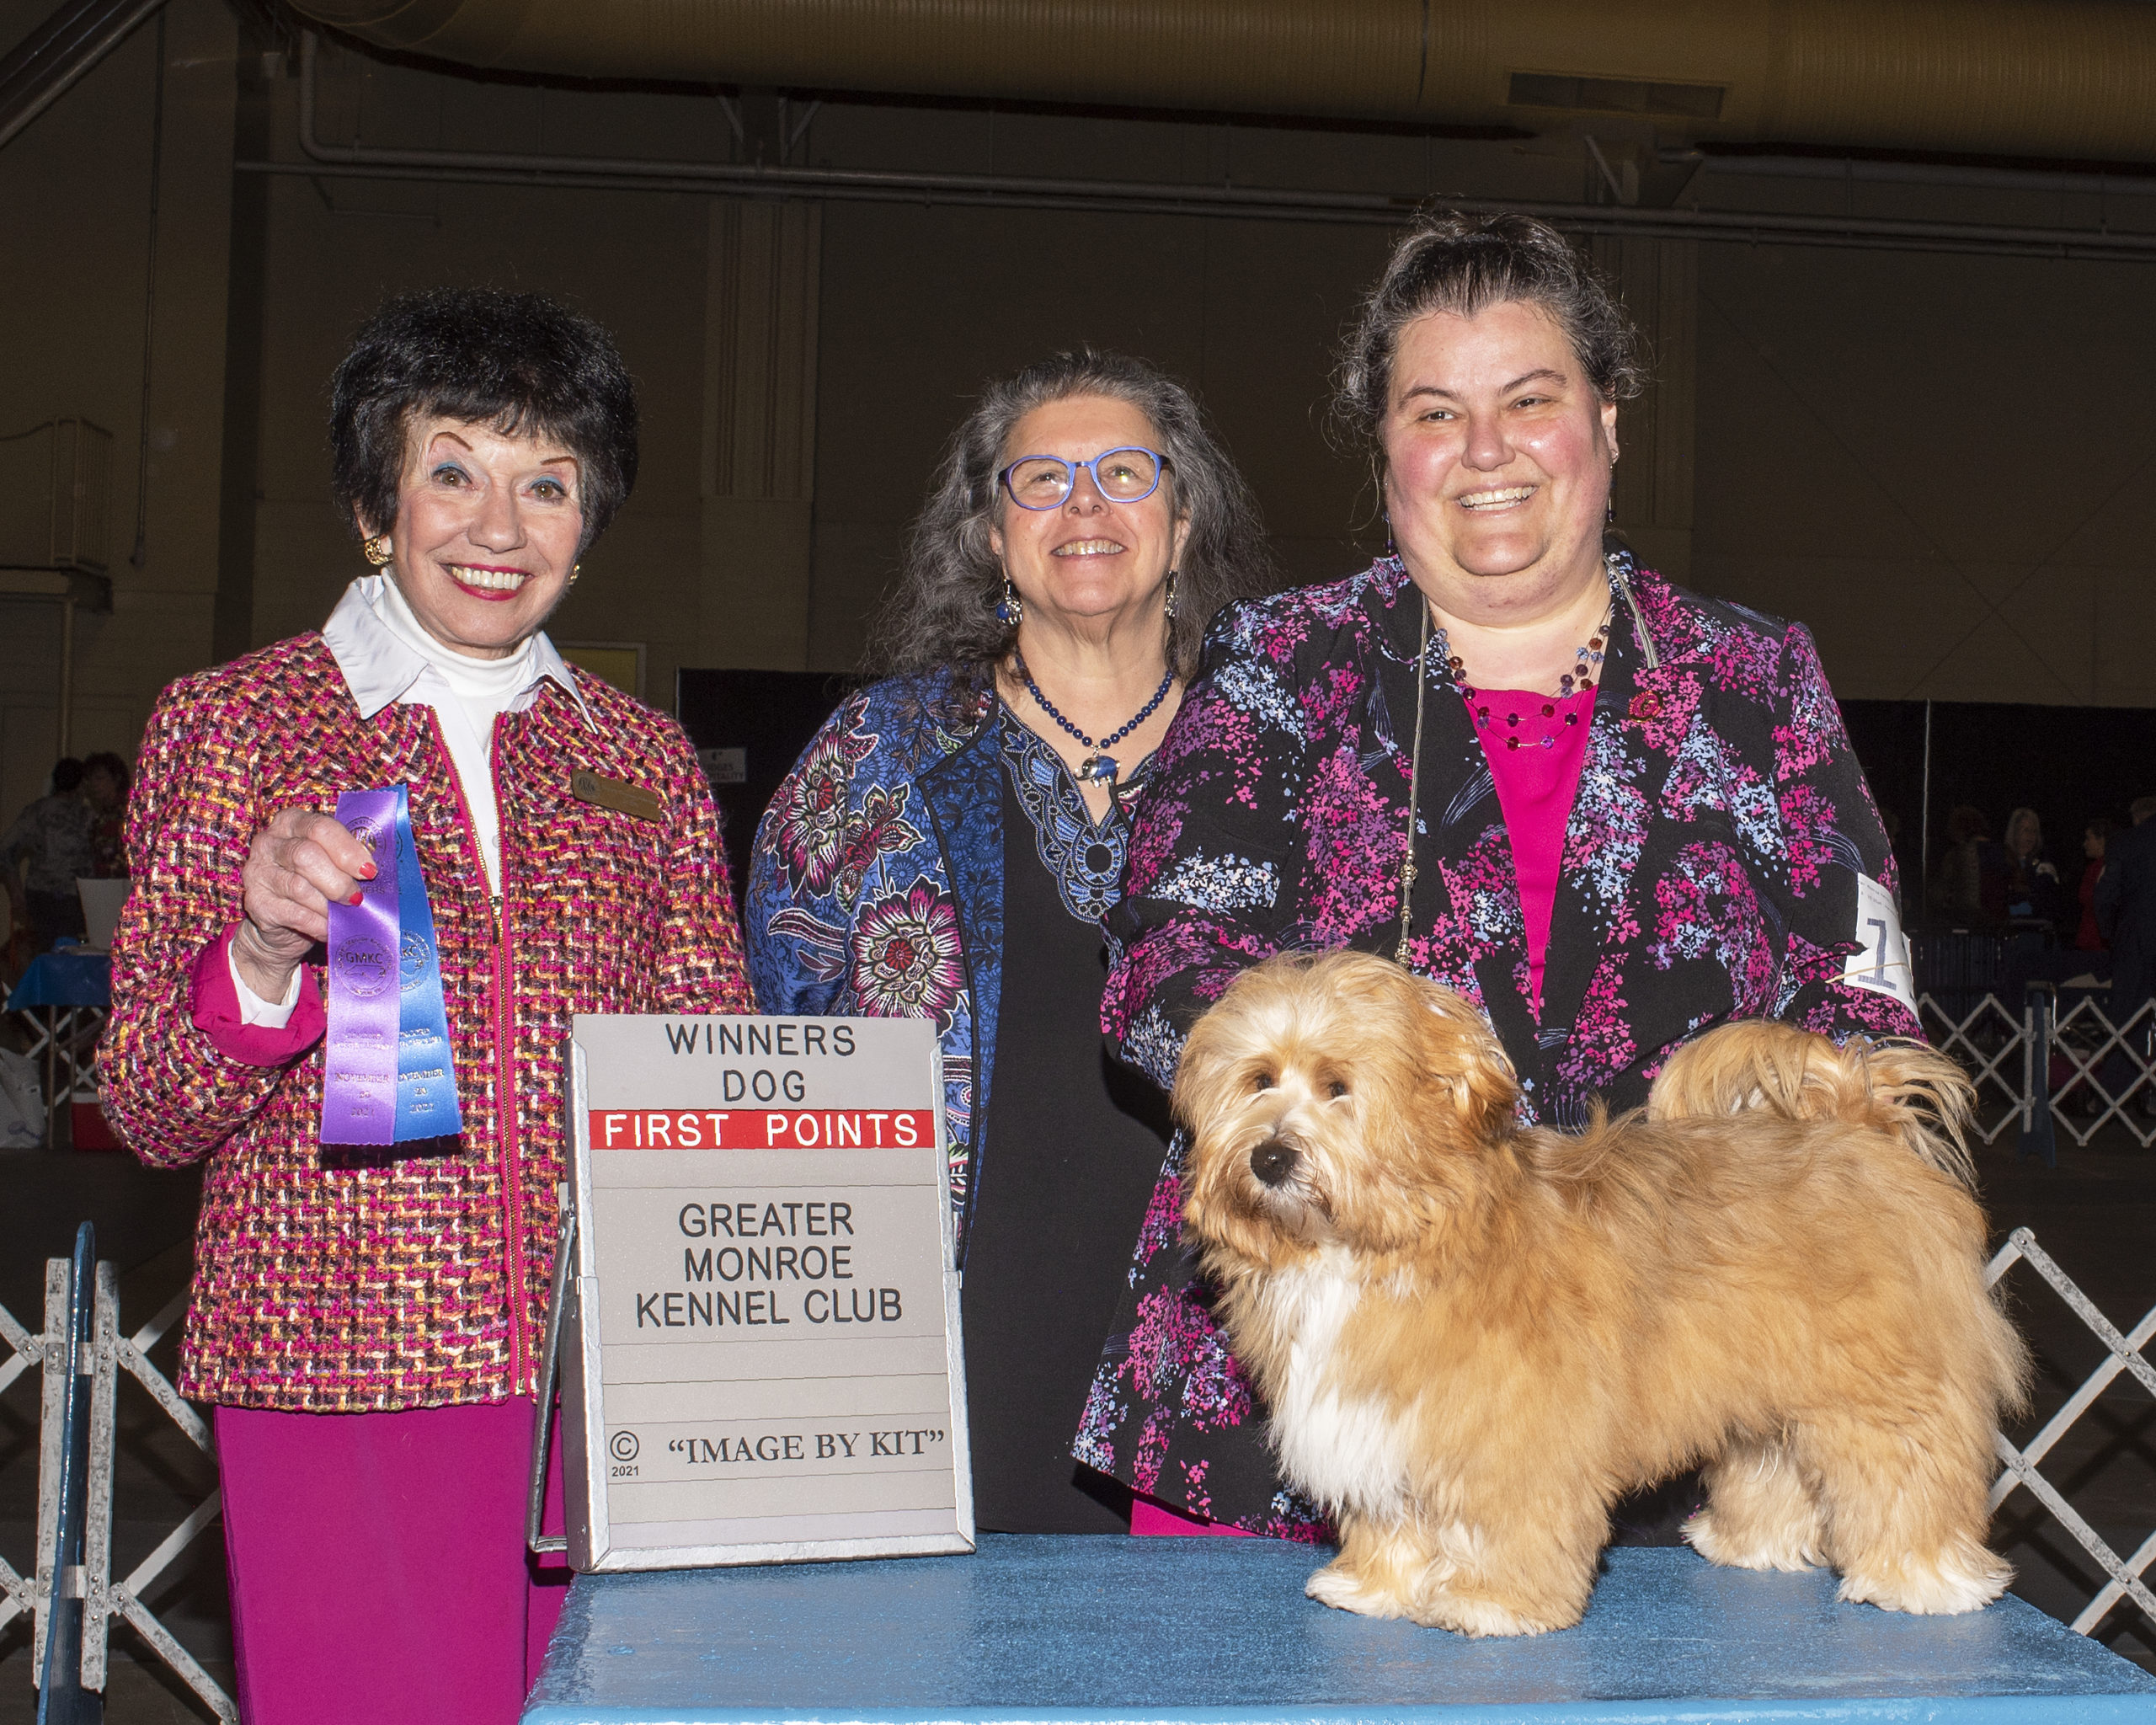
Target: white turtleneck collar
<point>381,649</point>
<point>387,656</point>
<point>496,681</point>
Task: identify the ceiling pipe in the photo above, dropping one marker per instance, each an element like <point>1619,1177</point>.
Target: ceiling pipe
<point>355,160</point>
<point>2028,78</point>
<point>1840,169</point>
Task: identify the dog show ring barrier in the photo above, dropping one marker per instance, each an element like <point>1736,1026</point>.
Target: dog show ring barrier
<point>2123,1354</point>
<point>81,1354</point>
<point>2045,1062</point>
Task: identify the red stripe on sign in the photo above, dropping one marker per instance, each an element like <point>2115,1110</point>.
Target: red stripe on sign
<point>761,1128</point>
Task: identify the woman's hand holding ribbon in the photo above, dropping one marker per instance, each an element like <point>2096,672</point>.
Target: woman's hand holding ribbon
<point>298,865</point>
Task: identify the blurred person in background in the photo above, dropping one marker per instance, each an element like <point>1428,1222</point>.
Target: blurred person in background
<point>2086,957</point>
<point>2126,914</point>
<point>2087,937</point>
<point>2033,890</point>
<point>50,847</point>
<point>366,1315</point>
<point>105,779</point>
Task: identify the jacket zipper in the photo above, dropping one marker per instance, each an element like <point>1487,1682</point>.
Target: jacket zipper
<point>505,1053</point>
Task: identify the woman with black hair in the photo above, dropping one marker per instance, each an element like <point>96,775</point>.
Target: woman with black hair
<point>375,1245</point>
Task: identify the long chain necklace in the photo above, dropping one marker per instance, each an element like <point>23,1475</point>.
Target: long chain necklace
<point>1414,792</point>
<point>1100,767</point>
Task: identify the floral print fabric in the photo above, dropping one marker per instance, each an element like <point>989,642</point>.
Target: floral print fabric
<point>875,888</point>
<point>1710,871</point>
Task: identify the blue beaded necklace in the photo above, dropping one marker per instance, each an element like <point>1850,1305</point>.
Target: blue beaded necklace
<point>1098,768</point>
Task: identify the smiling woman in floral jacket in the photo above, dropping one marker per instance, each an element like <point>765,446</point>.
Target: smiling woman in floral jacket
<point>1634,812</point>
<point>947,845</point>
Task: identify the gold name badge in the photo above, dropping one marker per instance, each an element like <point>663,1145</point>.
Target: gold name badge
<point>615,793</point>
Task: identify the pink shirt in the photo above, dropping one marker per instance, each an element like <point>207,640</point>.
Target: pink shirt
<point>1536,745</point>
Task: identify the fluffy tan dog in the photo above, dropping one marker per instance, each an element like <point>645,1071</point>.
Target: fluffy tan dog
<point>1474,1337</point>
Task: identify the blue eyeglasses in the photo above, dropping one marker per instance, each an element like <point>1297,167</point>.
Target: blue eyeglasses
<point>1120,475</point>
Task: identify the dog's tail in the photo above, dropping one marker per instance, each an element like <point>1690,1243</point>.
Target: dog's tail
<point>1892,1085</point>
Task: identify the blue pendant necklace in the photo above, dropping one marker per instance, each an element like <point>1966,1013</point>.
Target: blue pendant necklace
<point>1100,767</point>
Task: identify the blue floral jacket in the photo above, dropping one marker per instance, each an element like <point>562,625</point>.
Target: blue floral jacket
<point>876,890</point>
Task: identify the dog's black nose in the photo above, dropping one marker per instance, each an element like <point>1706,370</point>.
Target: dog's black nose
<point>1272,1161</point>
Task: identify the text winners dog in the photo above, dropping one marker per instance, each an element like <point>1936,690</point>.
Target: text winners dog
<point>1475,1337</point>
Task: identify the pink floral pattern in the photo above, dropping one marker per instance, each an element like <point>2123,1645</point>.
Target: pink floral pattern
<point>906,956</point>
<point>810,823</point>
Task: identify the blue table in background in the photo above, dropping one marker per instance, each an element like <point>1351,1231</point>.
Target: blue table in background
<point>1217,1630</point>
<point>67,976</point>
<point>64,995</point>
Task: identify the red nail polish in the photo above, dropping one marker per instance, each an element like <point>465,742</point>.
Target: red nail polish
<point>368,871</point>
<point>356,899</point>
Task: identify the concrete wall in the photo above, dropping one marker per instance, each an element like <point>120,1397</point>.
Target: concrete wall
<point>1942,462</point>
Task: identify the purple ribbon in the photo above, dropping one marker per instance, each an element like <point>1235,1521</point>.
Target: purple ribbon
<point>359,1088</point>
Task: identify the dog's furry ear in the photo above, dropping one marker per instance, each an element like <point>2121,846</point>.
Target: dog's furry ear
<point>1462,1055</point>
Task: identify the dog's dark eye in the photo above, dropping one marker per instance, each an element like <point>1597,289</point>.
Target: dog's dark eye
<point>1336,1089</point>
<point>1263,1080</point>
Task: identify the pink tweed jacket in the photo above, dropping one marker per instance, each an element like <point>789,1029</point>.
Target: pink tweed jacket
<point>350,1281</point>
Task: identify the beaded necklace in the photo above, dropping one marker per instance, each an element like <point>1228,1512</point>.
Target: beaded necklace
<point>1578,680</point>
<point>1100,767</point>
<point>1618,567</point>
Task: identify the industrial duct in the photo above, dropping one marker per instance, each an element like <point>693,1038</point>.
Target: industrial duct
<point>2051,78</point>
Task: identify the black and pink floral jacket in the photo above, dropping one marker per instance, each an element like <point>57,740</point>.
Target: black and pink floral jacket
<point>1711,871</point>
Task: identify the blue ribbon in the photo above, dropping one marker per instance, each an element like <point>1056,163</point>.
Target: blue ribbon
<point>395,916</point>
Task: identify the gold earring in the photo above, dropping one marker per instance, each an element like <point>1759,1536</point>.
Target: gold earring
<point>575,570</point>
<point>376,549</point>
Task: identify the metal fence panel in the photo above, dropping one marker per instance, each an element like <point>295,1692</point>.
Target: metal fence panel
<point>104,1600</point>
<point>2126,1355</point>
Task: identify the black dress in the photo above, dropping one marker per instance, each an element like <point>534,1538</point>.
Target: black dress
<point>1072,1146</point>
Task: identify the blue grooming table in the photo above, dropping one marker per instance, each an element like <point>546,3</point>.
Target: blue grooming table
<point>1217,1630</point>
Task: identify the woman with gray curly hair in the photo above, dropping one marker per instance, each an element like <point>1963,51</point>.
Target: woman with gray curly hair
<point>947,845</point>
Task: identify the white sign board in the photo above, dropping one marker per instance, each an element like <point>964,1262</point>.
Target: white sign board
<point>761,1360</point>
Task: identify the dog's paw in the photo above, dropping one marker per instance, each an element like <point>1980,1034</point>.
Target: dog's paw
<point>1470,1615</point>
<point>1344,1590</point>
<point>1788,1549</point>
<point>1965,1578</point>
